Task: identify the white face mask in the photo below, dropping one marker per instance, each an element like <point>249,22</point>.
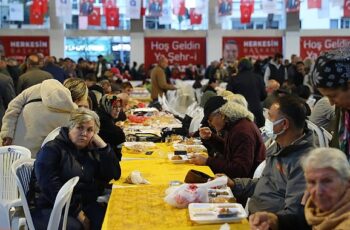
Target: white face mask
<point>269,128</point>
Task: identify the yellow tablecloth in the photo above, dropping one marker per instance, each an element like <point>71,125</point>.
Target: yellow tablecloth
<point>142,206</point>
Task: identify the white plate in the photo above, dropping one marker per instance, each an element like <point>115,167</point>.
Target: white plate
<point>207,213</point>
<point>184,159</point>
<point>194,148</point>
<point>140,143</point>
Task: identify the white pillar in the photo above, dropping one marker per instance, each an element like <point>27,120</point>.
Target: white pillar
<point>291,44</point>
<point>137,51</point>
<point>56,33</point>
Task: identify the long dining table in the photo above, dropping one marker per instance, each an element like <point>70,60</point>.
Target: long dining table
<point>142,206</point>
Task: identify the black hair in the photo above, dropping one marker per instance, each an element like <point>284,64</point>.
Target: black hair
<point>294,109</point>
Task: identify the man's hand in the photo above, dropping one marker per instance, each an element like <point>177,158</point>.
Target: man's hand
<point>263,221</point>
<point>84,220</point>
<point>6,141</point>
<point>230,182</point>
<point>199,159</point>
<point>205,133</point>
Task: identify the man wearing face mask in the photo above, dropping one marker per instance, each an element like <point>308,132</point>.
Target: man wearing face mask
<point>282,184</point>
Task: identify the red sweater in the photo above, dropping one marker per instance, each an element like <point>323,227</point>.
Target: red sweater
<point>242,150</point>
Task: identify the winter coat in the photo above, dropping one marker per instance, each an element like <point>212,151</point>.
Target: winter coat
<point>28,122</point>
<point>242,149</point>
<point>111,133</point>
<point>59,160</point>
<point>282,184</point>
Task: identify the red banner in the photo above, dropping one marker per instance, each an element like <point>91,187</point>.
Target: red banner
<point>234,48</point>
<point>182,51</point>
<point>311,47</point>
<point>347,8</point>
<point>314,4</point>
<point>18,47</point>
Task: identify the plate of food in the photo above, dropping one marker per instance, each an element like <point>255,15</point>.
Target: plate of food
<point>139,146</point>
<point>210,213</point>
<point>221,195</point>
<point>190,148</point>
<point>177,159</point>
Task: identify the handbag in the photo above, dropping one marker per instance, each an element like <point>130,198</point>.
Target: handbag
<point>194,176</point>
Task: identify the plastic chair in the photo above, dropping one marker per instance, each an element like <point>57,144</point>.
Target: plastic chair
<point>318,132</point>
<point>22,169</point>
<point>196,120</point>
<point>327,136</point>
<point>52,135</point>
<point>8,190</point>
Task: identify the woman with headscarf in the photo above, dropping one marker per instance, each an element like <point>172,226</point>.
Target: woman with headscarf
<point>237,138</point>
<point>110,107</point>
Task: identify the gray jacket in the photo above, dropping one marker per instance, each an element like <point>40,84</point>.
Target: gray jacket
<point>282,184</point>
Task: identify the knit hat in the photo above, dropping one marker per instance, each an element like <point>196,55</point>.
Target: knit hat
<point>332,69</point>
<point>211,105</point>
<point>108,101</point>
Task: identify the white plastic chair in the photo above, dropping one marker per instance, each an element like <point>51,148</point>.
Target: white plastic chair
<point>52,135</point>
<point>196,120</point>
<point>8,190</point>
<point>318,132</point>
<point>327,136</point>
<point>22,169</point>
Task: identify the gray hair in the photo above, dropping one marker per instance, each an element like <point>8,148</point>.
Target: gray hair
<point>238,98</point>
<point>82,115</point>
<point>235,111</point>
<point>320,158</point>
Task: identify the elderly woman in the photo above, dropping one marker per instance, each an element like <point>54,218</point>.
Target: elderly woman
<point>110,107</point>
<point>34,113</point>
<point>327,174</point>
<point>238,139</point>
<point>76,151</point>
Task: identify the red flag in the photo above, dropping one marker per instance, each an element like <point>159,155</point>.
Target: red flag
<point>94,19</point>
<point>195,18</point>
<point>246,14</point>
<point>249,4</point>
<point>36,13</point>
<point>44,6</point>
<point>112,16</point>
<point>347,8</point>
<point>314,4</point>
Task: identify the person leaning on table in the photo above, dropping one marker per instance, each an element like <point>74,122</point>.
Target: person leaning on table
<point>76,151</point>
<point>327,175</point>
<point>331,76</point>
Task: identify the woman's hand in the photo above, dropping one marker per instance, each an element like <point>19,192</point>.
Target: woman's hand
<point>199,159</point>
<point>205,133</point>
<point>97,142</point>
<point>263,221</point>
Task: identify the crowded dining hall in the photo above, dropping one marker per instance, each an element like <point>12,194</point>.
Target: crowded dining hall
<point>159,114</point>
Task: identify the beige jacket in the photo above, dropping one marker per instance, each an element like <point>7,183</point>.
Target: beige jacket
<point>29,124</point>
<point>336,219</point>
<point>158,81</point>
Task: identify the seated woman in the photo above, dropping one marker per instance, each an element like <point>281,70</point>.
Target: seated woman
<point>76,151</point>
<point>327,175</point>
<point>238,139</point>
<point>110,107</point>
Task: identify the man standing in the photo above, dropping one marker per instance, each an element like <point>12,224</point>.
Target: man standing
<point>158,79</point>
<point>7,93</point>
<point>281,187</point>
<point>33,75</point>
<point>275,70</point>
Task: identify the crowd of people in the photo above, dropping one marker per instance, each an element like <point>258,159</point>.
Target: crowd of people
<point>301,185</point>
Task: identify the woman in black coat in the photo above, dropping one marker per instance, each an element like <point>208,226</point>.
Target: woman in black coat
<point>109,110</point>
<point>76,151</point>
